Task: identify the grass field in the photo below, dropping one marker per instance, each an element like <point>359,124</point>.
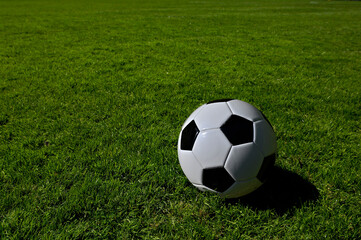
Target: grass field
<point>93,95</point>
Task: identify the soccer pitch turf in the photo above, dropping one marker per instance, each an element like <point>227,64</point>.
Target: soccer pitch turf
<point>93,95</point>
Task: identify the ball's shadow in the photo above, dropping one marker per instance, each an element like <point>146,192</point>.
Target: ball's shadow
<point>283,192</point>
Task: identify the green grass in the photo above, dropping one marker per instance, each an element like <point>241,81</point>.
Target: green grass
<point>93,95</point>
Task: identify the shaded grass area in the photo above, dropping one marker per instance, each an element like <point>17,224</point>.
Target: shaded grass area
<point>93,95</point>
<point>283,192</point>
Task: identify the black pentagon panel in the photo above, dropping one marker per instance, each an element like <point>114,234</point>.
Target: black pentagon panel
<point>238,130</point>
<point>266,168</point>
<point>220,100</point>
<point>189,135</point>
<point>217,179</point>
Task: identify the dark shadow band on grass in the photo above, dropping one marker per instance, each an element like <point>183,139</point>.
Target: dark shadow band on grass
<point>284,191</point>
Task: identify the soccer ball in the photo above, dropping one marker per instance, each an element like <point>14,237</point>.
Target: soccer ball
<point>228,147</point>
